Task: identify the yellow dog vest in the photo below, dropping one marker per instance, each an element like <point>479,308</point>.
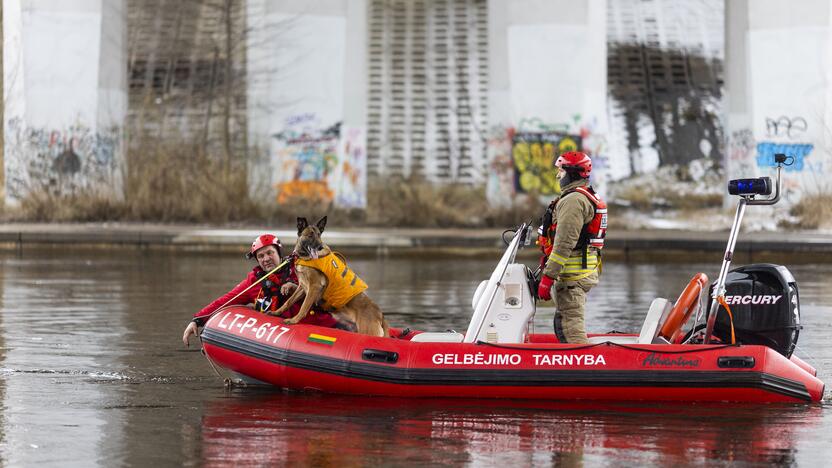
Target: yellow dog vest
<point>343,283</point>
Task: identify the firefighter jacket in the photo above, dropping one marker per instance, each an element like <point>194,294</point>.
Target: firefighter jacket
<point>572,212</point>
<point>343,283</point>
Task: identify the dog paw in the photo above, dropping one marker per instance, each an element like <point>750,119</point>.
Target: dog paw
<point>290,321</point>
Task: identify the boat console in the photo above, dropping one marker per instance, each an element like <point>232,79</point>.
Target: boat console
<point>503,305</point>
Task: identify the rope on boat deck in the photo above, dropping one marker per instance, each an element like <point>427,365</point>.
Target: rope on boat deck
<point>609,343</point>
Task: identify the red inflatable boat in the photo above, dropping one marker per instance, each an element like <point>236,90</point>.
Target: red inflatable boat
<point>304,357</point>
<point>738,348</point>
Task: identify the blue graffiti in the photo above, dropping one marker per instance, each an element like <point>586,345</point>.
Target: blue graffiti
<point>314,162</point>
<point>767,150</point>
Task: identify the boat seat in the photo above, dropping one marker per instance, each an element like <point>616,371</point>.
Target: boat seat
<point>625,339</point>
<point>438,337</point>
<point>659,309</point>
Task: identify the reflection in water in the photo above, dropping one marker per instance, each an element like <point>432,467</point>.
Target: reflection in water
<point>93,372</point>
<point>297,429</point>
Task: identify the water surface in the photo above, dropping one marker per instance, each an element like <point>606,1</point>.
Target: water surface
<point>93,372</point>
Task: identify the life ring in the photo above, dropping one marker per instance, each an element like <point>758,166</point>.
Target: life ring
<point>683,308</point>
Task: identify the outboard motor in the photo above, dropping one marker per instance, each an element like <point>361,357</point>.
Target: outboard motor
<point>765,306</point>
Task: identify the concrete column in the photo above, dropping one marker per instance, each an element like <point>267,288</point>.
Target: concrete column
<point>779,92</point>
<point>548,92</point>
<point>307,100</point>
<point>65,90</point>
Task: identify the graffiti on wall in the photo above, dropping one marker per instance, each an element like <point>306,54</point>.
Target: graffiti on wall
<point>741,145</point>
<point>741,153</point>
<point>751,153</point>
<point>500,182</point>
<point>785,135</point>
<point>305,160</point>
<point>520,159</point>
<point>533,155</point>
<point>320,164</point>
<point>767,150</point>
<point>351,176</point>
<point>785,127</point>
<point>61,161</point>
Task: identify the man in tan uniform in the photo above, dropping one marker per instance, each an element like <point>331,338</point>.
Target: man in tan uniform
<point>578,227</point>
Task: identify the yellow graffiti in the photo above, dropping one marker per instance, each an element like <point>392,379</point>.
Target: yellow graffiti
<point>289,192</point>
<point>533,162</point>
<point>567,144</point>
<point>534,155</point>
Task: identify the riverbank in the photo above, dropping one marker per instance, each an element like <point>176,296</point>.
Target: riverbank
<point>637,244</point>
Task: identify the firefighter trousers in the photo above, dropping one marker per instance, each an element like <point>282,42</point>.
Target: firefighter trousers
<point>570,299</point>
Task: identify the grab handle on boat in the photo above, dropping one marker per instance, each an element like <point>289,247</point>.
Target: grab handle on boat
<point>735,362</point>
<point>378,355</point>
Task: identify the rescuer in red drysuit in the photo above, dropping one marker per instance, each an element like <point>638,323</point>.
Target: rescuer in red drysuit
<point>266,296</point>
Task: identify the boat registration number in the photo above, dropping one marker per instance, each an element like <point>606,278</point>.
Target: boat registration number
<point>265,330</point>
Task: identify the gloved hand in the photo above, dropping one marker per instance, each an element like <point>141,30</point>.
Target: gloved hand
<point>544,290</point>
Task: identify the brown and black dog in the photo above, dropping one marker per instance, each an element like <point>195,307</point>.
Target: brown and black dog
<point>359,310</point>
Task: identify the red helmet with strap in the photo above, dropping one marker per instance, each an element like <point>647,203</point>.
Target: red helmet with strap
<point>263,241</point>
<point>575,161</point>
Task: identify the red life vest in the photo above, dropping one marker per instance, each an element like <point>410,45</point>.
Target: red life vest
<point>593,232</point>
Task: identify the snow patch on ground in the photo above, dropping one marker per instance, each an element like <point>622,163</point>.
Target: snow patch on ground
<point>686,198</point>
<point>756,219</point>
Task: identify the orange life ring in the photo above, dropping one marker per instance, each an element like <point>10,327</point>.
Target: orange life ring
<point>683,308</point>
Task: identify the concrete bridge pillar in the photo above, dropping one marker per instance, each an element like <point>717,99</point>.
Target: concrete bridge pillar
<point>778,91</point>
<point>65,96</point>
<point>547,92</point>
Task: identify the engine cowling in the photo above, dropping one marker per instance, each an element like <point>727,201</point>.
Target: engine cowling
<point>765,305</point>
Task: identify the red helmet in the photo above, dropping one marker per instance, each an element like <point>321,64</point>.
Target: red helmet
<point>263,241</point>
<point>575,161</point>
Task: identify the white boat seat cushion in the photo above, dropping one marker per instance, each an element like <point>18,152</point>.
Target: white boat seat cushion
<point>438,337</point>
<point>656,315</point>
<point>625,339</point>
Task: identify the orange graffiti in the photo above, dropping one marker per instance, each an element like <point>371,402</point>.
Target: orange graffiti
<point>351,173</point>
<point>288,192</point>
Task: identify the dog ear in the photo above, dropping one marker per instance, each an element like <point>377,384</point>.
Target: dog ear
<point>321,224</point>
<point>302,224</point>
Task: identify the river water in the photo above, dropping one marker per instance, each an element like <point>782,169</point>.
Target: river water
<point>93,372</point>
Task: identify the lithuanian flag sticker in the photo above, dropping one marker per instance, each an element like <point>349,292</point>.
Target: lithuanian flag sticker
<point>322,339</point>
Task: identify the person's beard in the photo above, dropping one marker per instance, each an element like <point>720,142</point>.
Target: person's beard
<point>567,179</point>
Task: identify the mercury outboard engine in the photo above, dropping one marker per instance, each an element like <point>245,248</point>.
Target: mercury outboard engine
<point>765,306</point>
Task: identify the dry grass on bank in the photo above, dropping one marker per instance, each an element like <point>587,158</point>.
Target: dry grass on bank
<point>182,184</point>
<point>643,199</point>
<point>398,202</point>
<point>417,203</point>
<point>178,184</point>
<point>168,183</point>
<point>811,212</point>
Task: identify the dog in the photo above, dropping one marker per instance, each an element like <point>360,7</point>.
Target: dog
<point>344,298</point>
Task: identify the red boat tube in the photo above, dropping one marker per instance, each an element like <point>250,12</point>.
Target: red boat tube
<point>804,365</point>
<point>305,357</point>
